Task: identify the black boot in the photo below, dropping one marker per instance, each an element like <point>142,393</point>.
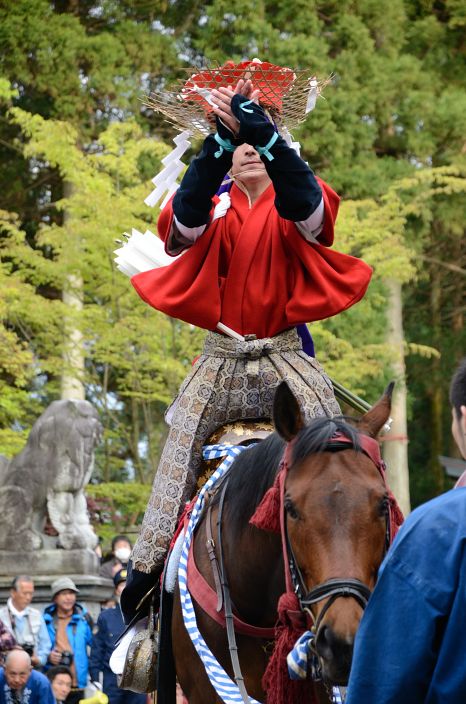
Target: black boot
<point>140,590</point>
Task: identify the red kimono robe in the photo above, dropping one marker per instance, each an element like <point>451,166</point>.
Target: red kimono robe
<point>255,272</point>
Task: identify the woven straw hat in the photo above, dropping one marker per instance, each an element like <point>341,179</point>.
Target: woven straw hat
<point>288,95</point>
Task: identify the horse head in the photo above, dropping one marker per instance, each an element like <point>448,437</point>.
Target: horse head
<point>336,522</point>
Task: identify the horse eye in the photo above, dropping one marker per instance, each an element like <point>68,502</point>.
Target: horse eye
<point>384,506</point>
<point>290,508</point>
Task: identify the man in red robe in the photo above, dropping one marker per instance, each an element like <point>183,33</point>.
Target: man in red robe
<point>256,261</point>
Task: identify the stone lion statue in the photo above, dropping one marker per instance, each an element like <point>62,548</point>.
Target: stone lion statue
<point>42,488</point>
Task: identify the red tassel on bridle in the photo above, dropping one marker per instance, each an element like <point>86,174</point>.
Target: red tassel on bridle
<point>276,680</point>
<point>267,514</point>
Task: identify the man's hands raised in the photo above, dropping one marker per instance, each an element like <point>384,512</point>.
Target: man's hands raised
<point>222,98</point>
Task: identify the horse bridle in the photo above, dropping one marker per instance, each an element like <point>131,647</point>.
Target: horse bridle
<point>333,589</point>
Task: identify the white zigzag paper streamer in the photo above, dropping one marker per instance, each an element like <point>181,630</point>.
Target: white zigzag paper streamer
<point>289,140</point>
<point>142,252</point>
<point>165,181</point>
<point>312,97</point>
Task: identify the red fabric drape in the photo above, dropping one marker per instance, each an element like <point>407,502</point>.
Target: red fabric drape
<point>253,271</point>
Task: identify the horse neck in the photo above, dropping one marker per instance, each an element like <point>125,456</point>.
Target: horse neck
<point>254,565</point>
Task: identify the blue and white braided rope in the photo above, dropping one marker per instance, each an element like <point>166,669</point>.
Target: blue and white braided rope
<point>222,683</point>
<point>299,661</point>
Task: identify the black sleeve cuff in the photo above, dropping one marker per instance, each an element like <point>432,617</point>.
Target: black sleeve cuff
<point>193,199</point>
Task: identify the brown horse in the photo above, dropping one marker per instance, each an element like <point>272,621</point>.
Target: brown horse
<point>336,519</point>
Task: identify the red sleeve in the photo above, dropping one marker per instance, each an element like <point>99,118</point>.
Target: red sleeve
<point>164,223</point>
<point>331,205</point>
<point>168,232</point>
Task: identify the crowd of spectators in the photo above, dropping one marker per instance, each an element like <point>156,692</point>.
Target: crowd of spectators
<point>59,654</point>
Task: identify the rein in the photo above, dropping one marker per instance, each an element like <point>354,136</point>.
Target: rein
<point>228,607</point>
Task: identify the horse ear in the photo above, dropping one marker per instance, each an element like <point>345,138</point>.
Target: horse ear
<point>287,416</point>
<point>374,420</point>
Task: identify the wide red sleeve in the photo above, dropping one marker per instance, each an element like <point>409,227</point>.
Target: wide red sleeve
<point>175,241</point>
<point>325,282</point>
<point>188,288</point>
<point>165,221</point>
<point>331,205</point>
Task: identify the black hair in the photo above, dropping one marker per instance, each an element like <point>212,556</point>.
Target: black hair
<point>458,388</point>
<point>117,538</point>
<point>58,670</point>
<point>252,473</point>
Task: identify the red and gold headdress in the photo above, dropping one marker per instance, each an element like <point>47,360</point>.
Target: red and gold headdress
<point>288,95</point>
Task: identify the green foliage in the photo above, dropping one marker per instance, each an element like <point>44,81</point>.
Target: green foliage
<point>116,508</point>
<point>135,358</point>
<point>27,324</point>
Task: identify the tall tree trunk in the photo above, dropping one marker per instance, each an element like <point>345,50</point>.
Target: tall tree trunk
<point>436,387</point>
<point>72,381</point>
<point>395,449</point>
<point>458,298</point>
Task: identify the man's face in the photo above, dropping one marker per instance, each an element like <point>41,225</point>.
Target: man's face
<point>61,686</point>
<point>17,674</point>
<point>247,165</point>
<point>65,599</point>
<point>22,595</point>
<point>458,429</point>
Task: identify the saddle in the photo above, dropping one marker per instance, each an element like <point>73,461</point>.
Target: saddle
<point>241,432</point>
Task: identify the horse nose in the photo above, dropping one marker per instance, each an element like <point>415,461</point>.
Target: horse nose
<point>334,650</point>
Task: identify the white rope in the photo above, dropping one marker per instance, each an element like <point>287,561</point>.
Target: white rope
<point>227,690</point>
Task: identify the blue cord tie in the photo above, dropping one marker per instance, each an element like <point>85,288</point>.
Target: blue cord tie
<point>224,144</point>
<point>243,106</point>
<point>264,151</point>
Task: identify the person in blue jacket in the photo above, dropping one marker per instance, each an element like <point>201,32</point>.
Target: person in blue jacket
<point>410,646</point>
<point>20,684</point>
<point>109,626</point>
<point>70,630</point>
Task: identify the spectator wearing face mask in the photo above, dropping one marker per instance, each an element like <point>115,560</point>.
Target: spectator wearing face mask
<point>118,558</point>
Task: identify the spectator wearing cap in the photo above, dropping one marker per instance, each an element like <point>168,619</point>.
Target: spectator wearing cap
<point>70,630</point>
<point>109,626</point>
<point>118,558</point>
<point>25,623</point>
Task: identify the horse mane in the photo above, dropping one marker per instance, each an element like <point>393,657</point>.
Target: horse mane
<point>255,469</point>
<point>316,435</point>
<point>251,474</point>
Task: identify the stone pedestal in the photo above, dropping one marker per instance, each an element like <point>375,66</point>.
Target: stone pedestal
<point>45,566</point>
